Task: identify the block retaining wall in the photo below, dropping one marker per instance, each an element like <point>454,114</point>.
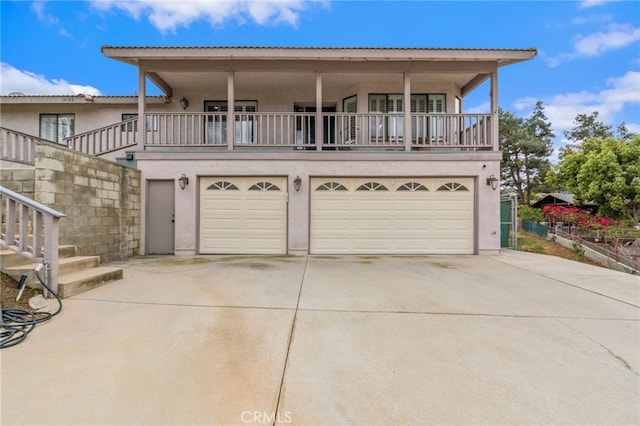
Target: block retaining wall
<point>101,201</point>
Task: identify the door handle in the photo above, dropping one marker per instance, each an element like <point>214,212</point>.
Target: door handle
<point>173,218</point>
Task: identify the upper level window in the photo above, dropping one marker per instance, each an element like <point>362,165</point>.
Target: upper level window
<point>152,123</point>
<point>57,127</point>
<point>245,129</point>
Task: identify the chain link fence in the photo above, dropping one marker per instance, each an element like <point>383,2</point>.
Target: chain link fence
<point>509,221</point>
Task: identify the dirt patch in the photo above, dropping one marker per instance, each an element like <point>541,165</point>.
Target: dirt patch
<point>9,291</point>
<point>534,244</point>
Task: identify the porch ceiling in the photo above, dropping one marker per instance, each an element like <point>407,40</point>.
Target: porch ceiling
<point>305,81</point>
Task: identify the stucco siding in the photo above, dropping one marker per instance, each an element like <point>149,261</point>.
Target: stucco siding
<point>487,238</point>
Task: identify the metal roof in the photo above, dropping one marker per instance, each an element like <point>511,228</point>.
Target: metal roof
<point>531,49</point>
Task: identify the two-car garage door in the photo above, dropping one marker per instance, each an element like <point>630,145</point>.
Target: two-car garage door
<point>392,215</point>
<point>347,215</point>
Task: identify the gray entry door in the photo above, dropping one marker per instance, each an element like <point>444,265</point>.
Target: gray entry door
<point>160,233</point>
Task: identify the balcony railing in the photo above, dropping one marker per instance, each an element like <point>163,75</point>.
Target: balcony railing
<point>342,131</point>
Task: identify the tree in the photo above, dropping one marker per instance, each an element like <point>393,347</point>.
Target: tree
<point>587,126</point>
<point>606,171</point>
<point>526,145</point>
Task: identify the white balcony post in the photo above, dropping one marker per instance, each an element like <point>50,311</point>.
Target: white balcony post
<point>407,112</point>
<point>494,110</point>
<point>231,108</point>
<point>142,96</point>
<point>319,123</point>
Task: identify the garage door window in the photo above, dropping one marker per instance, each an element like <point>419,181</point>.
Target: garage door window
<point>412,186</point>
<point>331,186</point>
<point>372,186</point>
<point>222,186</point>
<point>452,186</point>
<point>264,186</point>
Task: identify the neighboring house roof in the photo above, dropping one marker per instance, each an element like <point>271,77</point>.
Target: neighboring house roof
<point>19,98</point>
<point>559,199</point>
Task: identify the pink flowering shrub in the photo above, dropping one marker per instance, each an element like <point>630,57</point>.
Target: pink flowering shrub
<point>577,217</point>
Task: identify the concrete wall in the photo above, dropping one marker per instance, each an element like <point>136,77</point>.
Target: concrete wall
<point>593,255</point>
<point>101,201</point>
<point>20,180</point>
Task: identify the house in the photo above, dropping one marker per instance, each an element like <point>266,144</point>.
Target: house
<point>564,199</point>
<point>270,150</point>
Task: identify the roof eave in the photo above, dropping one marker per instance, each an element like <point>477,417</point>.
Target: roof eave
<point>132,55</point>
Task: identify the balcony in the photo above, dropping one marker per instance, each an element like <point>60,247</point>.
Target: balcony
<point>297,131</point>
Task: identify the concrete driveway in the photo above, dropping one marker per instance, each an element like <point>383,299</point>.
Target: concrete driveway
<point>363,340</point>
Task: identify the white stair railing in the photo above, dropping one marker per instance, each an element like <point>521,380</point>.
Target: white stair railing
<point>27,215</point>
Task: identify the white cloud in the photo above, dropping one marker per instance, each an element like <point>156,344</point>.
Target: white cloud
<point>169,16</point>
<point>586,4</point>
<point>562,109</point>
<point>37,7</point>
<point>617,36</point>
<point>29,83</point>
<point>479,109</point>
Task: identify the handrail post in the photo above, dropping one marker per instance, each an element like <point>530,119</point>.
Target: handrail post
<point>50,255</point>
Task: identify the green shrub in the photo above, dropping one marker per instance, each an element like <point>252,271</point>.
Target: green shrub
<point>531,214</point>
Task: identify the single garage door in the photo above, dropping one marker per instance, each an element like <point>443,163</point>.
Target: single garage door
<point>392,216</point>
<point>243,215</point>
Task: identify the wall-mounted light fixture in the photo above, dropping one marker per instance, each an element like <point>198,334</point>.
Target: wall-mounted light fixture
<point>492,181</point>
<point>183,181</point>
<point>184,103</point>
<point>297,182</point>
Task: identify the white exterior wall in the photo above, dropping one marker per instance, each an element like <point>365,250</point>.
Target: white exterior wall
<point>339,164</point>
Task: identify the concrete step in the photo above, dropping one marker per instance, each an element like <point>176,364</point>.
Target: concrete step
<point>77,263</point>
<point>72,283</point>
<point>66,265</point>
<point>75,273</point>
<point>10,258</point>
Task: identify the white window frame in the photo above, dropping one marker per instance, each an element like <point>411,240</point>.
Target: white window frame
<point>60,130</point>
<point>433,127</point>
<point>245,126</point>
<point>152,123</point>
<point>386,129</point>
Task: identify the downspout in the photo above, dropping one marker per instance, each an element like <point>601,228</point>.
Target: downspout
<point>142,96</point>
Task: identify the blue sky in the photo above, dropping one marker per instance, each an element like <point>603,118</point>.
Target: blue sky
<point>588,51</point>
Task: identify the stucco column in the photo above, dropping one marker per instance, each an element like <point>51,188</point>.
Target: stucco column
<point>231,107</point>
<point>298,214</point>
<point>407,112</point>
<point>185,218</point>
<point>319,123</point>
<point>142,121</point>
